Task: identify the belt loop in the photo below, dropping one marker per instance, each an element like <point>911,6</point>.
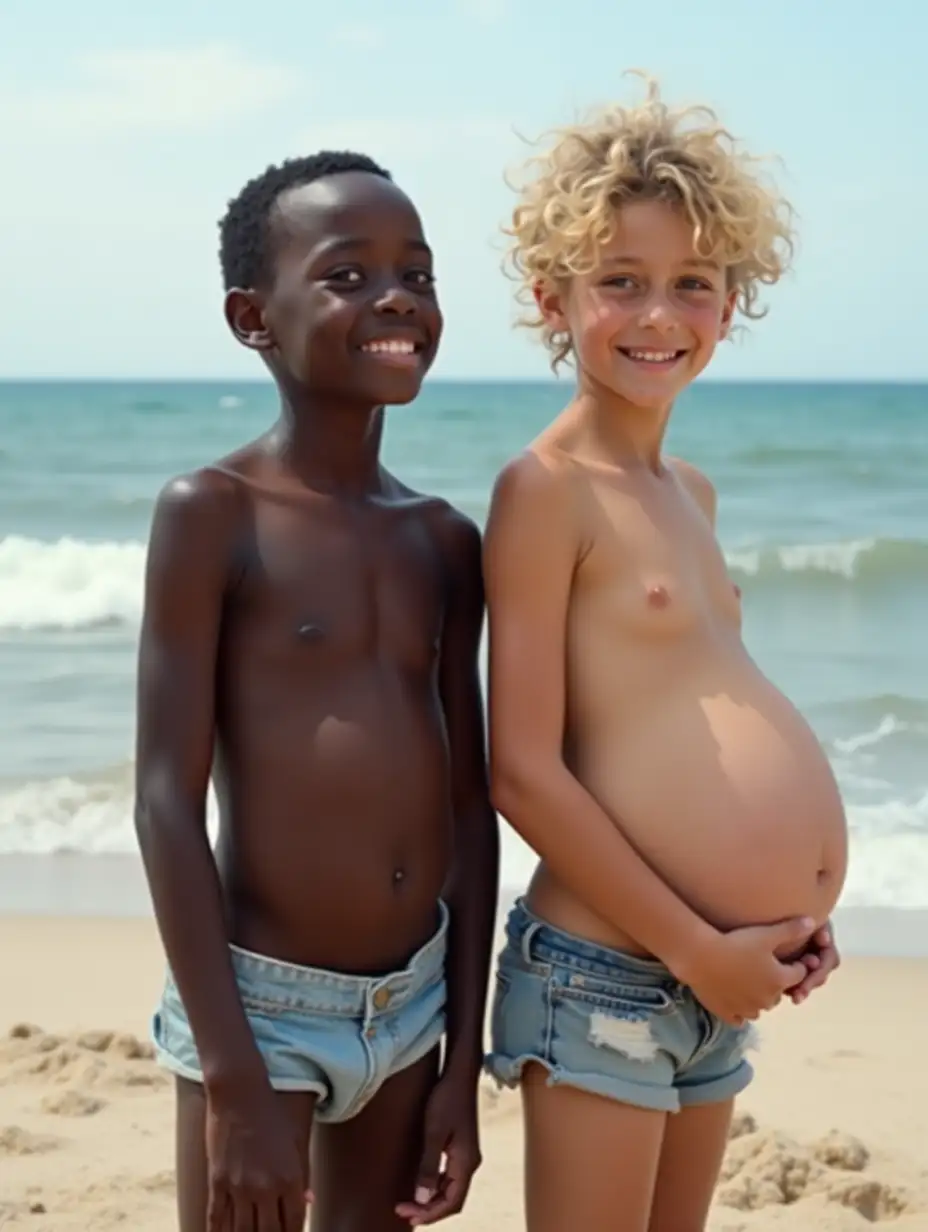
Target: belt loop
<point>527,938</point>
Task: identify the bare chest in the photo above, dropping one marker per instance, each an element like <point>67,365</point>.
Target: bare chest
<point>654,569</point>
<point>327,587</point>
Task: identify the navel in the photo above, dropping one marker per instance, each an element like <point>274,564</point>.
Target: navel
<point>658,597</point>
<point>309,632</point>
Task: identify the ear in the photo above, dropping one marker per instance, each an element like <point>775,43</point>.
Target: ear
<point>245,318</point>
<point>728,313</point>
<point>550,304</point>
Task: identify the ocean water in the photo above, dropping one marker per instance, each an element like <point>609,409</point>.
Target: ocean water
<point>823,517</point>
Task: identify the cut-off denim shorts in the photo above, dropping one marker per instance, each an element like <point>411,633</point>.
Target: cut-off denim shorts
<point>607,1022</point>
<point>340,1036</point>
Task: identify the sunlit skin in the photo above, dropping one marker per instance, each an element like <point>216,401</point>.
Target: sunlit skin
<point>310,641</point>
<point>627,715</point>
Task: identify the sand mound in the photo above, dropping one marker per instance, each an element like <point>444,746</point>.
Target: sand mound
<point>117,1201</point>
<point>72,1103</point>
<point>89,1059</point>
<point>16,1141</point>
<point>767,1169</point>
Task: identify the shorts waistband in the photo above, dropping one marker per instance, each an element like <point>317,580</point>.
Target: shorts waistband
<point>539,941</point>
<point>280,985</point>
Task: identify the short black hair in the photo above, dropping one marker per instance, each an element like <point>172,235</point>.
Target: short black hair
<point>245,228</point>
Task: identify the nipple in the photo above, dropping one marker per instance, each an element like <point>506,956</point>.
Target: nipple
<point>737,589</point>
<point>658,597</point>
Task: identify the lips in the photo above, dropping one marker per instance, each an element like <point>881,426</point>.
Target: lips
<point>390,346</point>
<point>651,355</point>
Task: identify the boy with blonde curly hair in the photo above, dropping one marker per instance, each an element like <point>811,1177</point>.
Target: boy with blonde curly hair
<point>691,834</point>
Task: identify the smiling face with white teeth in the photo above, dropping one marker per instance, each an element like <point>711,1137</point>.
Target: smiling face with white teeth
<point>350,312</point>
<point>647,320</point>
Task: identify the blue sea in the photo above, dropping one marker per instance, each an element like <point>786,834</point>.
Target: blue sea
<point>823,518</point>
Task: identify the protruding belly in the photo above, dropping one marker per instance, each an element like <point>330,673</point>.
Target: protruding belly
<point>729,797</point>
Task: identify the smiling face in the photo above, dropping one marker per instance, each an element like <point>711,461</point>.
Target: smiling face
<point>349,310</point>
<point>646,321</point>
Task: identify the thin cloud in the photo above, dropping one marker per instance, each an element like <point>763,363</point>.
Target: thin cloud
<point>181,90</point>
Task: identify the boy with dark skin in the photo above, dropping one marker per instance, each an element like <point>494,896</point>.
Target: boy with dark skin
<point>310,639</point>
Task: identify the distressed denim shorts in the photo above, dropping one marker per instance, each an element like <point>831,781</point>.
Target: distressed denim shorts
<point>608,1022</point>
<point>341,1036</point>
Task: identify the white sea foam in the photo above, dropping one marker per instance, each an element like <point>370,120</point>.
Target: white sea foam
<point>889,841</point>
<point>70,583</point>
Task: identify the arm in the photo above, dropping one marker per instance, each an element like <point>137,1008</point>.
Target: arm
<point>255,1173</point>
<point>189,560</point>
<point>532,549</point>
<point>473,885</point>
<point>471,893</point>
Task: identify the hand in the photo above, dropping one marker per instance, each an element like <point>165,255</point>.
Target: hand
<point>737,975</point>
<point>451,1131</point>
<point>820,958</point>
<point>256,1175</point>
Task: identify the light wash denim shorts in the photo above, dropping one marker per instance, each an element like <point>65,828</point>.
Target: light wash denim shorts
<point>608,1022</point>
<point>341,1036</point>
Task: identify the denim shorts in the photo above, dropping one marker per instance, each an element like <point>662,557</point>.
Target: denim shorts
<point>611,1023</point>
<point>340,1036</point>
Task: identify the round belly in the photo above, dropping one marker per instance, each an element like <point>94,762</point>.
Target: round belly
<point>730,798</point>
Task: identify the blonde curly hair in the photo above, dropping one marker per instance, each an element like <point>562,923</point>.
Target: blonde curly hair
<point>567,208</point>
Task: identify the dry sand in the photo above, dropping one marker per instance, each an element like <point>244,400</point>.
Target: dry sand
<point>833,1135</point>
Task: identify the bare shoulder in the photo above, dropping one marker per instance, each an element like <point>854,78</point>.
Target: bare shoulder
<point>698,484</point>
<point>456,536</point>
<point>458,539</point>
<point>196,530</point>
<point>200,502</point>
<point>540,479</point>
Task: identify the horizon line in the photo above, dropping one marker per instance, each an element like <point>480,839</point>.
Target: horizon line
<point>454,380</point>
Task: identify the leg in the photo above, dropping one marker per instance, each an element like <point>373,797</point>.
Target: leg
<point>192,1164</point>
<point>364,1167</point>
<point>590,1162</point>
<point>690,1160</point>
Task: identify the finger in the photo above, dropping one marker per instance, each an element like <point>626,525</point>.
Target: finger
<point>428,1177</point>
<point>427,1193</point>
<point>268,1215</point>
<point>791,975</point>
<point>811,961</point>
<point>816,978</point>
<point>790,934</point>
<point>243,1213</point>
<point>293,1210</point>
<point>823,938</point>
<point>218,1213</point>
<point>460,1166</point>
<point>449,1201</point>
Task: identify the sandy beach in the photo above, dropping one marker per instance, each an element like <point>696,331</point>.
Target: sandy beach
<point>832,1135</point>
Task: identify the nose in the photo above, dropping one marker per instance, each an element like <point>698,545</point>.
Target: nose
<point>657,312</point>
<point>395,298</point>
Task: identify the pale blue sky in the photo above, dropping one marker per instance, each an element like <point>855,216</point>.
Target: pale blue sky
<point>124,128</point>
